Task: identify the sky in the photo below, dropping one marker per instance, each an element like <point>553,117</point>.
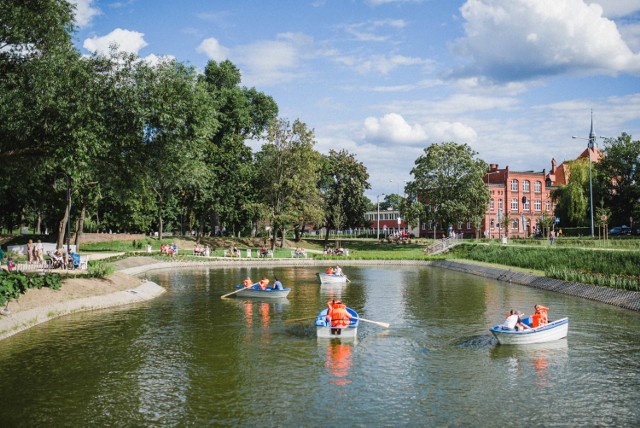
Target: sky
<point>385,79</point>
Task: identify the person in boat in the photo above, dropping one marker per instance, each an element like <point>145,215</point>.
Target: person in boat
<point>330,271</point>
<point>277,285</point>
<point>513,322</point>
<point>247,283</point>
<point>540,317</point>
<point>340,317</point>
<point>264,283</point>
<point>330,304</point>
<point>338,271</point>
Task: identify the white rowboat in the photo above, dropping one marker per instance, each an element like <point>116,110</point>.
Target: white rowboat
<point>324,330</point>
<point>553,331</point>
<point>269,293</point>
<point>326,278</point>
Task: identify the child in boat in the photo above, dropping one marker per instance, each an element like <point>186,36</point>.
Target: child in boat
<point>264,282</point>
<point>539,318</point>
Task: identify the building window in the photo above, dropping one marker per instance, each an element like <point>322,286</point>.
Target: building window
<point>537,205</point>
<point>514,185</point>
<point>548,206</point>
<point>537,187</point>
<point>525,186</point>
<point>459,225</point>
<point>514,226</point>
<point>468,225</point>
<point>500,205</point>
<point>514,204</point>
<point>491,205</point>
<point>493,224</point>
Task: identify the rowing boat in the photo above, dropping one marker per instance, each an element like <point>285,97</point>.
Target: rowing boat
<point>329,278</point>
<point>268,293</point>
<point>324,330</point>
<point>552,331</point>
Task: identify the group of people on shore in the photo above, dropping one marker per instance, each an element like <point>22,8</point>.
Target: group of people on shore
<point>263,284</point>
<point>514,319</point>
<point>169,250</point>
<point>35,252</point>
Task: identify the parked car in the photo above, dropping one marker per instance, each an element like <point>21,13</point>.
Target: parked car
<point>620,231</point>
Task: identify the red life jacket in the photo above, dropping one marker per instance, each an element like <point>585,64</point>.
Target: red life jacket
<point>247,283</point>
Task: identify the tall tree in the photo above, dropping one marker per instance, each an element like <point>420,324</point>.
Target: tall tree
<point>448,180</point>
<point>343,182</point>
<point>618,179</point>
<point>572,200</point>
<point>243,113</point>
<point>289,171</point>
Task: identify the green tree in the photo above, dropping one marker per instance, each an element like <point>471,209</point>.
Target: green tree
<point>618,177</point>
<point>448,181</point>
<point>572,200</point>
<point>343,182</point>
<point>243,113</point>
<point>289,174</point>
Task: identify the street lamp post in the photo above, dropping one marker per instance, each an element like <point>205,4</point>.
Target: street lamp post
<point>378,228</point>
<point>68,229</point>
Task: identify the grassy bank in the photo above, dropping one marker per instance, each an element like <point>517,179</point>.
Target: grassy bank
<point>619,269</point>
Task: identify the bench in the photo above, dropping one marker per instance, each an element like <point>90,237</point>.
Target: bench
<point>229,253</point>
<point>295,254</point>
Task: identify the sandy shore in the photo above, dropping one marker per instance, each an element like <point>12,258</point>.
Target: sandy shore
<point>77,295</point>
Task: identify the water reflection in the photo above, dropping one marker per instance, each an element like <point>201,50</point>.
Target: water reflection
<point>539,361</point>
<point>338,360</point>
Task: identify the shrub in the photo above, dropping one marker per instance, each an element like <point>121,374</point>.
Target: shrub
<point>13,284</point>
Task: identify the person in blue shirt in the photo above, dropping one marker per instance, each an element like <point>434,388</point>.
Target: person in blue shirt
<point>277,285</point>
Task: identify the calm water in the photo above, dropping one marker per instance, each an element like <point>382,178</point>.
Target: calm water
<point>192,359</point>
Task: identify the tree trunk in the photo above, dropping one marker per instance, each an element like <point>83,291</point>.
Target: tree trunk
<point>80,227</point>
<point>284,232</point>
<point>62,227</point>
<point>160,224</point>
<point>39,223</point>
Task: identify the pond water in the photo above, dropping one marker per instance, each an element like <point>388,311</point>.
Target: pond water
<point>190,358</point>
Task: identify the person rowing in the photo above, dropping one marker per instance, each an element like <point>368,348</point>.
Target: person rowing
<point>340,317</point>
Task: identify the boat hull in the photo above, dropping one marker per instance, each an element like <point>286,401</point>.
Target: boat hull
<point>326,278</point>
<point>266,294</point>
<point>553,331</point>
<point>324,330</point>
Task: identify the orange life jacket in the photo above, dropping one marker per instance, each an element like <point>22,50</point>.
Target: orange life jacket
<point>542,313</point>
<point>263,284</point>
<point>340,318</point>
<point>247,283</point>
<point>329,270</point>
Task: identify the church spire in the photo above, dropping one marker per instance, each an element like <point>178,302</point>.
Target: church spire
<point>592,134</point>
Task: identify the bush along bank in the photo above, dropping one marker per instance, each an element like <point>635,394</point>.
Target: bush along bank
<point>13,284</point>
<point>618,269</point>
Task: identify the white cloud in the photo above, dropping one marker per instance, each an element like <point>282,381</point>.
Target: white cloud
<point>127,41</point>
<point>213,49</point>
<point>153,59</point>
<point>617,8</point>
<point>393,128</point>
<point>383,64</point>
<point>84,12</point>
<point>523,39</point>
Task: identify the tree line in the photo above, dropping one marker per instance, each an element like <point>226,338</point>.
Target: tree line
<point>145,147</point>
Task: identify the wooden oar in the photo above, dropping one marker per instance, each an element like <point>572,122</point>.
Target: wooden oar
<point>237,291</point>
<point>381,324</point>
<point>301,319</point>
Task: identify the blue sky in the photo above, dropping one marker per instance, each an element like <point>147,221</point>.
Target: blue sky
<point>384,79</point>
